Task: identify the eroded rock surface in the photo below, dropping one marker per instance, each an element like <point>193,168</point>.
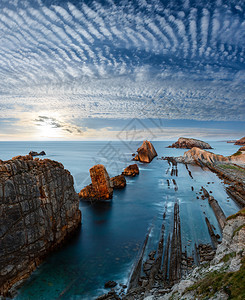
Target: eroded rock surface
<point>146,152</point>
<point>39,210</point>
<point>188,143</point>
<point>118,182</point>
<point>131,170</point>
<point>101,187</point>
<point>200,156</point>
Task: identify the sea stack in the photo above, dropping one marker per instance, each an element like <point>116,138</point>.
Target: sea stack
<point>188,143</point>
<point>118,182</point>
<point>131,170</point>
<point>146,152</point>
<point>101,187</point>
<point>39,211</point>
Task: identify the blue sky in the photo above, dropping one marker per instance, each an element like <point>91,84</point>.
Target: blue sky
<point>86,69</point>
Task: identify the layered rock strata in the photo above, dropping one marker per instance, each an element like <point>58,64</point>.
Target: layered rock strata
<point>101,187</point>
<point>39,211</point>
<point>146,152</point>
<point>188,143</point>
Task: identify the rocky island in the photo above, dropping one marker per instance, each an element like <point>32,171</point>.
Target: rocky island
<point>39,211</point>
<point>146,152</point>
<point>188,143</point>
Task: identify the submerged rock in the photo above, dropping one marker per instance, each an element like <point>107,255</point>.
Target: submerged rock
<point>188,143</point>
<point>110,284</point>
<point>146,152</point>
<point>101,187</point>
<point>118,182</point>
<point>39,210</point>
<point>131,170</point>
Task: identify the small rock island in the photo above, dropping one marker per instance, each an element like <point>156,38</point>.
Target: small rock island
<point>39,211</point>
<point>188,143</point>
<point>146,152</point>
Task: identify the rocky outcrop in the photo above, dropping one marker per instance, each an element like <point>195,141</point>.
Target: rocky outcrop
<point>188,143</point>
<point>118,182</point>
<point>242,148</point>
<point>131,170</point>
<point>241,141</point>
<point>34,153</point>
<point>39,210</point>
<point>203,157</point>
<point>101,187</point>
<point>146,152</point>
<point>197,155</point>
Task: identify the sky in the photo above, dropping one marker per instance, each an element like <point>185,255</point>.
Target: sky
<point>103,70</point>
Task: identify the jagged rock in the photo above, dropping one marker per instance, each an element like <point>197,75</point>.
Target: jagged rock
<point>101,187</point>
<point>118,182</point>
<point>188,143</point>
<point>241,141</point>
<point>131,170</point>
<point>39,210</point>
<point>242,148</point>
<point>146,152</point>
<point>33,153</point>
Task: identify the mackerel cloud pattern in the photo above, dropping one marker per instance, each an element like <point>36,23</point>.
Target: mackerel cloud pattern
<point>93,57</point>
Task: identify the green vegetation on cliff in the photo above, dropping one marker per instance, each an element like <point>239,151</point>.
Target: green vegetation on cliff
<point>232,283</point>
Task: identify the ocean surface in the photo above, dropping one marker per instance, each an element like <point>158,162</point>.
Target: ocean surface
<point>112,233</point>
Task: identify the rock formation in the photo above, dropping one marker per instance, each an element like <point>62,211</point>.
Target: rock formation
<point>241,141</point>
<point>188,143</point>
<point>34,153</point>
<point>118,182</point>
<point>146,152</point>
<point>223,277</point>
<point>131,170</point>
<point>39,210</point>
<point>101,187</point>
<point>199,156</point>
<point>242,148</point>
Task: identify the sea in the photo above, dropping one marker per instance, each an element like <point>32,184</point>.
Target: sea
<point>112,233</point>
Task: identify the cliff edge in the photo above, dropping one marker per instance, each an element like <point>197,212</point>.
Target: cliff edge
<point>39,210</point>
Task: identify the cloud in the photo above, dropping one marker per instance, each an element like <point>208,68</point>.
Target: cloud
<point>111,60</point>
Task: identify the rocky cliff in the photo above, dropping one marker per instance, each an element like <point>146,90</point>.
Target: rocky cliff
<point>146,152</point>
<point>188,143</point>
<point>241,141</point>
<point>39,210</point>
<point>101,187</point>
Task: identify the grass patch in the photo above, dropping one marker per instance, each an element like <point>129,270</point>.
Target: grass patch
<point>237,153</point>
<point>232,283</point>
<point>231,167</point>
<point>228,256</point>
<point>239,213</point>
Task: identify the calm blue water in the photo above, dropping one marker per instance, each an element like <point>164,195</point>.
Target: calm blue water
<point>112,233</point>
